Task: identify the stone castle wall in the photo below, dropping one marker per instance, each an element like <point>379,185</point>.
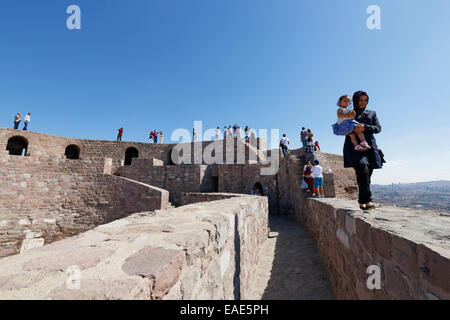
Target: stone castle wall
<point>195,197</point>
<point>198,251</point>
<point>40,144</point>
<point>51,197</point>
<point>174,178</point>
<point>410,248</point>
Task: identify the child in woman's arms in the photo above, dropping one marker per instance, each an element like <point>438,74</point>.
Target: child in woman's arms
<point>345,124</point>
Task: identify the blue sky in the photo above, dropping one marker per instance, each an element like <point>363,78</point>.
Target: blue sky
<point>145,64</point>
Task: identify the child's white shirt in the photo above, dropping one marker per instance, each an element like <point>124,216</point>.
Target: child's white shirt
<point>344,111</point>
<point>317,171</point>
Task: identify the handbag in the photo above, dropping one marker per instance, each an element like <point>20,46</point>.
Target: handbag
<point>304,185</point>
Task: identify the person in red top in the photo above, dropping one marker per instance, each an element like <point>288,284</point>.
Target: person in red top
<point>307,176</point>
<point>317,145</point>
<point>119,135</point>
<point>155,135</point>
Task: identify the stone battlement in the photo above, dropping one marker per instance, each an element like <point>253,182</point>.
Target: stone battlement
<point>193,252</point>
<point>411,248</point>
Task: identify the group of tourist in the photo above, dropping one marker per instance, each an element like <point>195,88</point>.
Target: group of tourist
<point>18,119</point>
<point>306,138</point>
<point>361,151</point>
<point>153,137</point>
<point>235,131</point>
<point>313,178</point>
<point>360,148</point>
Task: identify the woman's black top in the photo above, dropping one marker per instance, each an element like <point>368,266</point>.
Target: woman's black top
<point>370,157</point>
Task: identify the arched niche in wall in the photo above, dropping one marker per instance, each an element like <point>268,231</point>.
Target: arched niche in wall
<point>72,152</point>
<point>17,146</point>
<point>130,153</point>
<point>258,189</point>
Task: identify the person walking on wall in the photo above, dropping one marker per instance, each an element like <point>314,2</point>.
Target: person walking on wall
<point>217,133</point>
<point>309,150</point>
<point>119,135</point>
<point>26,121</point>
<point>151,137</point>
<point>17,120</point>
<point>317,173</point>
<point>304,137</point>
<point>284,142</point>
<point>194,135</point>
<point>161,137</point>
<point>155,135</point>
<point>310,133</point>
<point>364,162</point>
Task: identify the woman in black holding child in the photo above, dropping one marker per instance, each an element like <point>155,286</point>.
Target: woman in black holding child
<point>364,162</point>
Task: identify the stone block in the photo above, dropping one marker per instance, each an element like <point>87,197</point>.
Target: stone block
<point>163,266</point>
<point>382,243</point>
<point>434,268</point>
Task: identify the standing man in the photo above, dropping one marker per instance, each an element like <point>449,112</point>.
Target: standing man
<point>284,144</point>
<point>217,133</point>
<point>119,135</point>
<point>304,136</point>
<point>17,121</point>
<point>26,121</point>
<point>161,137</point>
<point>309,150</point>
<point>156,136</point>
<point>194,134</point>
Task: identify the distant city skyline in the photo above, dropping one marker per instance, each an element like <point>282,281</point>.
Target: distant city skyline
<point>146,65</point>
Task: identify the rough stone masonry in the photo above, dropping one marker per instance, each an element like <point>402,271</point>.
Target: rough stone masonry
<point>108,208</point>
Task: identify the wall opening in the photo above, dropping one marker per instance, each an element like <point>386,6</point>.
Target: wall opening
<point>72,152</point>
<point>130,153</point>
<point>258,189</point>
<point>215,184</point>
<point>17,146</point>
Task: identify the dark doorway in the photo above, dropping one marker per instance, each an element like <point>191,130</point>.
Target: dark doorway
<point>17,146</point>
<point>258,189</point>
<point>72,152</point>
<point>215,184</point>
<point>130,153</point>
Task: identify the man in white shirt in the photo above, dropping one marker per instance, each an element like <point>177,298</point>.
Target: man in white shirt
<point>317,173</point>
<point>284,144</point>
<point>217,133</point>
<point>26,121</point>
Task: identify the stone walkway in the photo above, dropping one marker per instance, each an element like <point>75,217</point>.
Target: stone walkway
<point>289,267</point>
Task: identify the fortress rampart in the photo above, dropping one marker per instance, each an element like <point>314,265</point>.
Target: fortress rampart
<point>410,247</point>
<point>198,251</point>
<point>108,210</point>
<point>51,197</point>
